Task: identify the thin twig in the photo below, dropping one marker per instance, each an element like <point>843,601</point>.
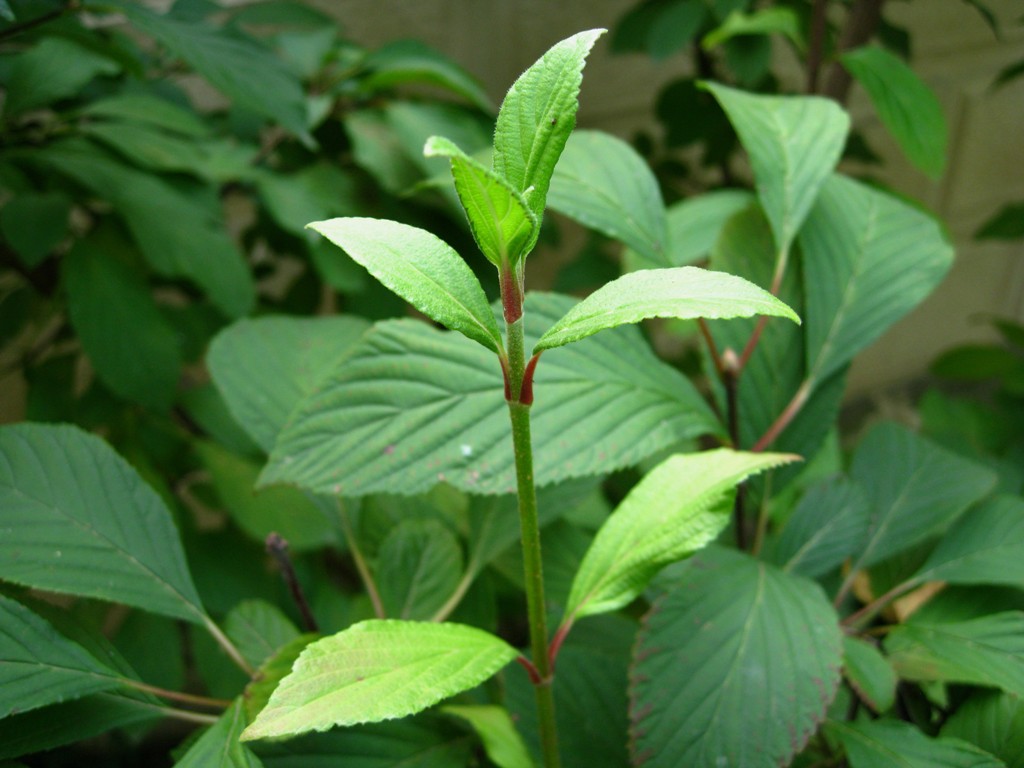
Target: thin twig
<point>229,648</point>
<point>816,49</point>
<point>188,717</point>
<point>357,556</point>
<point>785,418</point>
<point>861,24</point>
<point>184,698</point>
<point>278,549</point>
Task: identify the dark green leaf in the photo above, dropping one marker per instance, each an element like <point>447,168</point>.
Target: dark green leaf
<point>895,744</point>
<point>868,672</point>
<point>54,69</point>
<point>219,747</point>
<point>766,21</point>
<point>736,665</point>
<point>375,424</point>
<point>258,629</point>
<point>994,721</point>
<point>907,107</point>
<point>34,223</point>
<point>419,565</point>
<point>1007,224</point>
<point>410,61</point>
<point>149,109</point>
<point>977,362</point>
<point>265,366</point>
<point>79,520</point>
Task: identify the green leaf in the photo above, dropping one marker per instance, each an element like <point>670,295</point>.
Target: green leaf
<point>907,107</point>
<point>601,182</point>
<point>271,672</point>
<point>422,269</point>
<point>379,670</point>
<point>5,11</point>
<point>987,651</point>
<point>56,68</point>
<point>985,546</point>
<point>895,744</point>
<point>34,224</point>
<point>149,147</point>
<point>916,489</point>
<point>681,292</point>
<point>828,525</point>
<point>131,344</point>
<point>1006,224</point>
<point>868,260</point>
<point>78,720</point>
<point>285,511</point>
<point>694,225</point>
<point>678,507</point>
<point>79,520</point>
<point>793,142</point>
<point>219,746</point>
<point>263,367</point>
<point>494,726</point>
<point>419,565</point>
<point>502,223</point>
<point>736,665</point>
<point>39,666</point>
<point>156,213</point>
<point>766,21</point>
<point>258,629</point>
<point>244,71</point>
<point>537,116</point>
<point>150,109</point>
<point>977,362</point>
<point>375,424</point>
<point>659,29</point>
<point>994,721</point>
<point>403,62</point>
<point>318,191</point>
<point>868,672</point>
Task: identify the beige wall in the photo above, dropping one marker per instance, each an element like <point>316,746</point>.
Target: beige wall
<point>954,51</point>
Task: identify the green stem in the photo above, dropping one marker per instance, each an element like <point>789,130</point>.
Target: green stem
<point>229,648</point>
<point>184,698</point>
<point>360,562</point>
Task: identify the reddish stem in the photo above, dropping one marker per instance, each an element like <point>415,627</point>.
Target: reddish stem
<point>511,295</point>
<point>526,391</point>
<point>531,670</point>
<point>556,643</point>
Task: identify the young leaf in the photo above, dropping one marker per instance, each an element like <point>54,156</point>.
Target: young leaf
<point>379,670</point>
<point>868,260</point>
<point>767,21</point>
<point>677,508</point>
<point>794,142</point>
<point>264,366</point>
<point>375,424</point>
<point>39,666</point>
<point>537,116</point>
<point>502,223</point>
<point>271,672</point>
<point>601,182</point>
<point>419,565</point>
<point>79,520</point>
<point>985,546</point>
<point>497,731</point>
<point>422,269</point>
<point>908,107</point>
<point>987,651</point>
<point>915,488</point>
<point>736,665</point>
<point>994,721</point>
<point>681,292</point>
<point>219,747</point>
<point>868,672</point>
<point>895,744</point>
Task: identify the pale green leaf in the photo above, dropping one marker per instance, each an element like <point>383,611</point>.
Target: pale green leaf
<point>258,629</point>
<point>285,511</point>
<point>907,107</point>
<point>869,673</point>
<point>5,11</point>
<point>895,744</point>
<point>985,546</point>
<point>415,406</point>
<point>987,651</point>
<point>271,672</point>
<point>494,726</point>
<point>537,116</point>
<point>79,520</point>
<point>766,21</point>
<point>915,488</point>
<point>133,347</point>
<point>419,565</point>
<point>502,223</point>
<point>238,67</point>
<point>868,259</point>
<point>318,191</point>
<point>264,366</point>
<point>379,670</point>
<point>678,507</point>
<point>55,68</point>
<point>994,721</point>
<point>736,665</point>
<point>148,108</point>
<point>156,214</point>
<point>39,666</point>
<point>601,182</point>
<point>219,747</point>
<point>794,143</point>
<point>681,292</point>
<point>402,62</point>
<point>828,525</point>
<point>422,269</point>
